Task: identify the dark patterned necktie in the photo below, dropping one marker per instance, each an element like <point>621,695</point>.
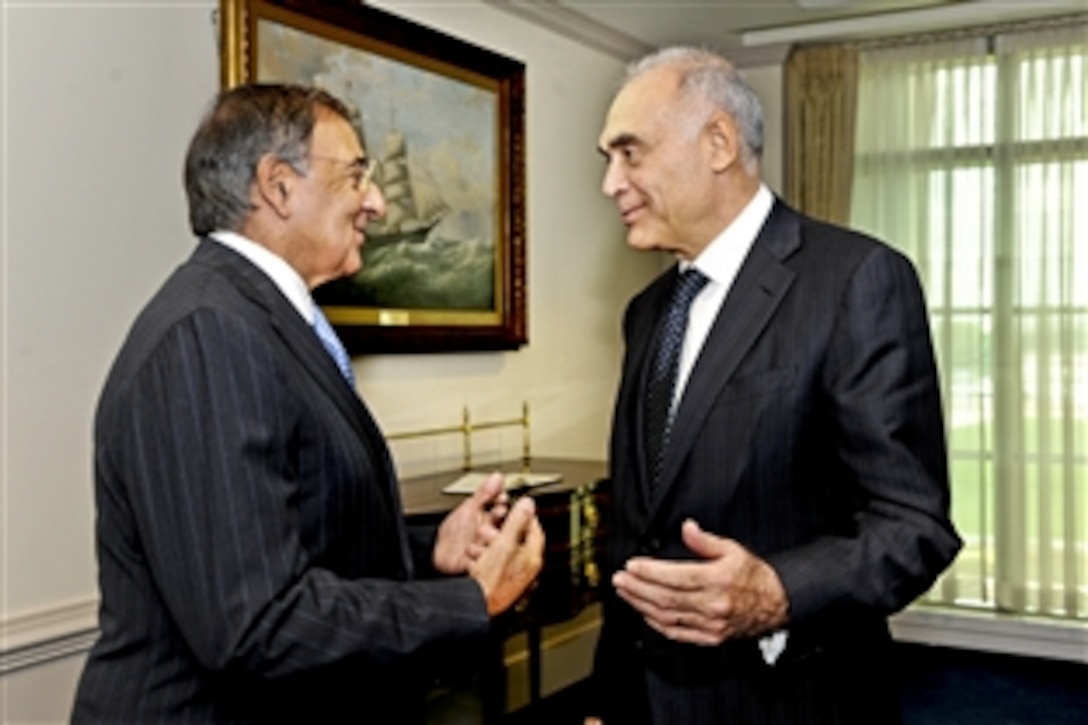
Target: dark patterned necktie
<point>661,381</point>
<point>333,346</point>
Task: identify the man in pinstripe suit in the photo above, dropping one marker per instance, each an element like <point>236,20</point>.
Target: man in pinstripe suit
<point>254,563</point>
<point>802,493</point>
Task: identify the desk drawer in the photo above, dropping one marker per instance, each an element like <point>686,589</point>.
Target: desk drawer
<point>574,522</point>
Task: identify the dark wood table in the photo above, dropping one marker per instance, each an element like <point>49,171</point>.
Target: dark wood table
<point>573,512</point>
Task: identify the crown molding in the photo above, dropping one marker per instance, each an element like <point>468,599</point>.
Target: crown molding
<point>575,26</point>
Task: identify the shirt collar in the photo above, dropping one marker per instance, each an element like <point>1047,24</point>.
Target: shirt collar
<point>723,256</point>
<point>282,274</point>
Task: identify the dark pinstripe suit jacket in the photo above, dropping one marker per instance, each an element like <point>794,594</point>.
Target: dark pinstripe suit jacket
<point>253,560</point>
<point>810,430</point>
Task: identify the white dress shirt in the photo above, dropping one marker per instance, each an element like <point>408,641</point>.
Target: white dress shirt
<point>720,262</point>
<point>283,275</point>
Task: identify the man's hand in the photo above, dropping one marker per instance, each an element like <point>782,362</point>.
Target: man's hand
<point>731,593</point>
<point>512,560</point>
<point>470,527</point>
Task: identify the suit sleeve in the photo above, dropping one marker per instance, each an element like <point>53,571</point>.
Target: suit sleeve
<point>881,383</point>
<point>200,448</point>
<point>421,541</point>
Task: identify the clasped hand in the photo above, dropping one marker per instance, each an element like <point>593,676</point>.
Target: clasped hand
<point>500,546</point>
<point>730,593</point>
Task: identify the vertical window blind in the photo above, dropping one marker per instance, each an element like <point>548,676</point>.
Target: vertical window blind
<point>971,155</point>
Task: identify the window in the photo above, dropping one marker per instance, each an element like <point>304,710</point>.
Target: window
<point>971,155</point>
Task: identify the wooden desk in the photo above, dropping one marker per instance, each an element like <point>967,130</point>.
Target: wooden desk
<point>573,512</point>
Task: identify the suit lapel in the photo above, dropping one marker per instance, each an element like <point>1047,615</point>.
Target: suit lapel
<point>301,341</point>
<point>637,363</point>
<point>293,331</point>
<point>760,286</point>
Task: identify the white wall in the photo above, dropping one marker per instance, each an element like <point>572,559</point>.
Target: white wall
<point>99,102</point>
<point>767,81</point>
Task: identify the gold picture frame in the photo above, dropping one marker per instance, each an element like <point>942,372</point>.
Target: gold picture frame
<point>445,270</point>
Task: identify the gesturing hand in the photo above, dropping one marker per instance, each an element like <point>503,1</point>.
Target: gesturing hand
<point>512,560</point>
<point>470,527</point>
<point>731,593</point>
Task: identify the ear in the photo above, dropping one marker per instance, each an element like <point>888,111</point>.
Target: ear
<point>273,184</point>
<point>723,142</point>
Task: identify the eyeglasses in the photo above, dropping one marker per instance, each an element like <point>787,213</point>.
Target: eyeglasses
<point>361,169</point>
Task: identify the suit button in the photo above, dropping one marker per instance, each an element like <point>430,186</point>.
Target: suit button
<point>639,645</point>
<point>655,545</point>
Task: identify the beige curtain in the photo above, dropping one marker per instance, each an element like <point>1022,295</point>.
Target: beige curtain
<point>821,88</point>
<point>972,157</point>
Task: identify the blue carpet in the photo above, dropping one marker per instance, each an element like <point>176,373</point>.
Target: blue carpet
<point>940,686</point>
<point>943,686</point>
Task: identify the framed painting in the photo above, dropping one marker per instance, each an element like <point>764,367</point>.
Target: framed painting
<point>444,269</point>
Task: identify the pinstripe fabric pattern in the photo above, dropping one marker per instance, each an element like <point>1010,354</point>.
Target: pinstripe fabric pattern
<point>253,560</point>
<point>810,431</point>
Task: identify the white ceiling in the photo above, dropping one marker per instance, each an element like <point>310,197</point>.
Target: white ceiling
<point>744,29</point>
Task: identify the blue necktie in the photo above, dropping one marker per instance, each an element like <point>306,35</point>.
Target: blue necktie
<point>333,346</point>
<point>661,383</point>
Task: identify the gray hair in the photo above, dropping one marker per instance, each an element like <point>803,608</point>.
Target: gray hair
<point>243,124</point>
<point>705,74</point>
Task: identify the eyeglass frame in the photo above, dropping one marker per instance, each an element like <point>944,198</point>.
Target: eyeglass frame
<point>363,169</point>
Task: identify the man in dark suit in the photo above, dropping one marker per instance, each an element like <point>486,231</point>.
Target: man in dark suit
<point>801,493</point>
<point>254,563</point>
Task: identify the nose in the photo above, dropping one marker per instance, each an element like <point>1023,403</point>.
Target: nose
<point>374,202</point>
<point>615,180</point>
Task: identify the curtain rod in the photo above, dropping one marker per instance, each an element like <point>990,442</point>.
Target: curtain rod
<point>979,31</point>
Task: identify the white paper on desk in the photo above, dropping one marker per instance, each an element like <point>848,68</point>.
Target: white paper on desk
<point>468,483</point>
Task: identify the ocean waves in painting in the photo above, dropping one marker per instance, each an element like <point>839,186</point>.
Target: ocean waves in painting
<point>437,273</point>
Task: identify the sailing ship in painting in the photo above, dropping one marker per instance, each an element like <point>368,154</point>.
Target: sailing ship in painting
<point>424,253</point>
<point>412,208</point>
